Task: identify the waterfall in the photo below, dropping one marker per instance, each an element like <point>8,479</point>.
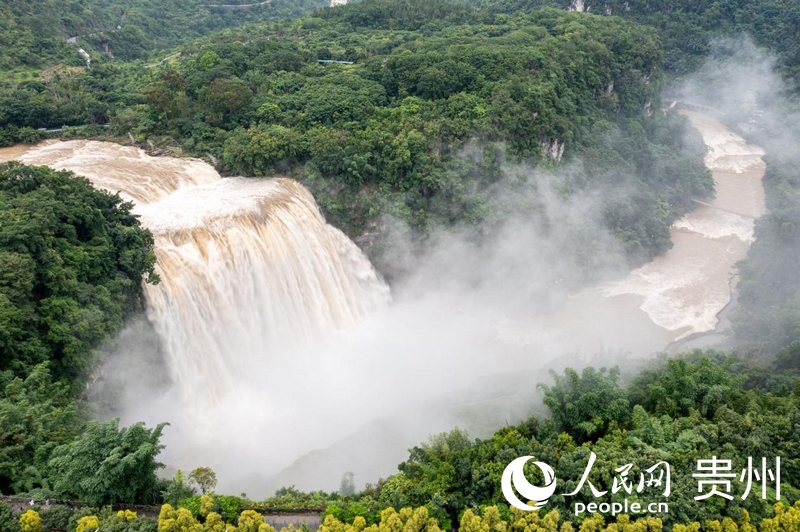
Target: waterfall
<point>249,268</point>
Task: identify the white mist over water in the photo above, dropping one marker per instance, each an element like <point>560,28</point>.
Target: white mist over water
<point>255,313</point>
<point>678,293</point>
<point>250,270</point>
<point>685,289</point>
<point>279,341</point>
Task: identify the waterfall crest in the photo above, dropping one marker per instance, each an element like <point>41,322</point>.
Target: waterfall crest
<point>249,268</point>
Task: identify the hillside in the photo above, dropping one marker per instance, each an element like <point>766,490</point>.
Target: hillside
<point>34,34</point>
<point>714,38</point>
<point>688,28</point>
<point>434,111</point>
<point>407,120</point>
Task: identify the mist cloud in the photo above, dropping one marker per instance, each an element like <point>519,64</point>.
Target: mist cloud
<point>467,306</point>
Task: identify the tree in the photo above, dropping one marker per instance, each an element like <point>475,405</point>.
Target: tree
<point>214,523</point>
<point>180,520</point>
<point>789,357</point>
<point>72,261</point>
<point>37,416</point>
<point>587,405</point>
<point>108,465</point>
<point>168,97</point>
<point>30,521</point>
<point>490,522</point>
<point>694,382</point>
<point>252,521</point>
<point>205,479</point>
<point>208,60</point>
<point>223,98</point>
<point>177,489</point>
<point>406,520</point>
<point>7,521</point>
<point>257,150</point>
<point>347,486</point>
<point>88,523</point>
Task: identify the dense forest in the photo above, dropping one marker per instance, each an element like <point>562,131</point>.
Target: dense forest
<point>72,260</point>
<point>688,28</point>
<point>34,34</point>
<point>678,411</point>
<point>440,109</point>
<point>440,115</point>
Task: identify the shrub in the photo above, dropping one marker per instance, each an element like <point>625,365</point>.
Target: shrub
<point>30,521</point>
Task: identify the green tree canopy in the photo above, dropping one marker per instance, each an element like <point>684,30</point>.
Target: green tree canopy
<point>72,260</point>
<point>205,478</point>
<point>108,465</point>
<point>36,415</point>
<point>589,404</point>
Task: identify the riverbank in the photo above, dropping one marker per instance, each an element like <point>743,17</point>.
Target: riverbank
<point>675,295</point>
<point>681,294</point>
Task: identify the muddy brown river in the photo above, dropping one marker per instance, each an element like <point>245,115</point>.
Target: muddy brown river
<point>681,292</point>
<point>676,295</point>
<point>249,266</point>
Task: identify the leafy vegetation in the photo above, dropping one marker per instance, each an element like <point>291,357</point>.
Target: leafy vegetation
<point>681,410</point>
<point>432,114</point>
<point>490,518</point>
<point>432,121</point>
<point>688,28</point>
<point>768,319</point>
<point>589,404</point>
<point>107,464</point>
<point>292,500</point>
<point>435,118</point>
<point>396,132</point>
<point>34,34</point>
<point>72,260</point>
<point>205,478</point>
<point>37,416</point>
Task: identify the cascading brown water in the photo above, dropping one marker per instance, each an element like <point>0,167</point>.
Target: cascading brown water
<point>249,268</point>
<point>682,292</point>
<point>250,272</point>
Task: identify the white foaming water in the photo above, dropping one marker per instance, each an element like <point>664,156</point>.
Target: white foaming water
<point>245,281</point>
<point>249,269</point>
<point>679,296</point>
<point>124,169</point>
<point>710,223</point>
<point>727,151</point>
<point>685,289</point>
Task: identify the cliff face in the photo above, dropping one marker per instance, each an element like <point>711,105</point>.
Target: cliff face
<point>553,149</point>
